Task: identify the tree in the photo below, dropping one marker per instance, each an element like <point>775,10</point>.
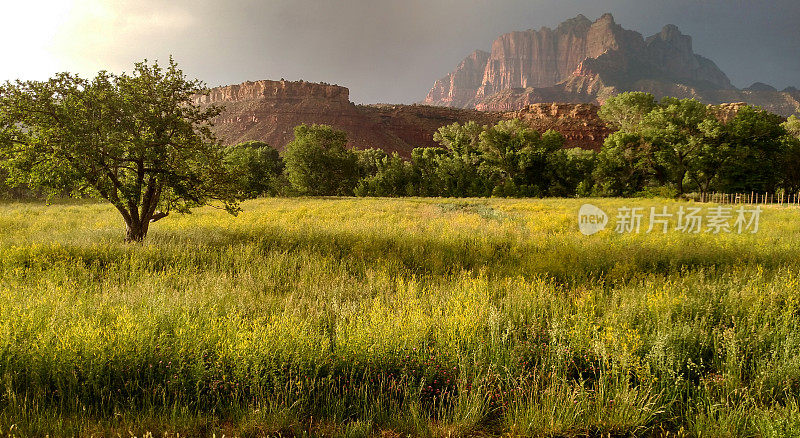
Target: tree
<point>674,128</point>
<point>460,170</point>
<point>755,139</point>
<point>369,161</point>
<point>392,178</point>
<point>790,153</point>
<point>136,140</point>
<point>461,140</point>
<point>626,110</point>
<point>571,172</point>
<point>318,162</point>
<point>624,165</point>
<point>516,157</point>
<point>792,126</point>
<point>256,167</point>
<point>425,171</point>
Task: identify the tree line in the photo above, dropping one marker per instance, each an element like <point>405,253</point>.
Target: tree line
<point>141,142</point>
<point>669,147</point>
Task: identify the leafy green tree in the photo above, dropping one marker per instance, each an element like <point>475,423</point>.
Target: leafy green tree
<point>516,157</point>
<point>425,171</point>
<point>319,163</point>
<point>369,161</point>
<point>256,167</point>
<point>674,128</point>
<point>460,171</point>
<point>460,140</point>
<point>393,178</point>
<point>792,126</point>
<point>755,139</point>
<point>790,164</point>
<point>624,165</point>
<point>626,110</point>
<point>504,146</point>
<point>710,156</point>
<point>136,140</point>
<point>571,172</point>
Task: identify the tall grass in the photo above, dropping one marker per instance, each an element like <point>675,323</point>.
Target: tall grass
<point>425,317</point>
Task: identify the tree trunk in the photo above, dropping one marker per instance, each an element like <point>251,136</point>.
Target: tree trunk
<point>135,232</point>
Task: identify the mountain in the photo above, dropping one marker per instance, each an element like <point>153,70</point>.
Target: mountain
<point>582,61</point>
<point>269,110</point>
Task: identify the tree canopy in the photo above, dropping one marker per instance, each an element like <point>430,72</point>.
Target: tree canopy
<point>682,145</point>
<point>136,140</point>
<point>256,167</point>
<point>319,163</point>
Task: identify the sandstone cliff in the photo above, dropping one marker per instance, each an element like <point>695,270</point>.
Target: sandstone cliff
<point>585,62</point>
<point>455,89</point>
<point>269,110</point>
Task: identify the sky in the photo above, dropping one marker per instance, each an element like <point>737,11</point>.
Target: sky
<point>384,51</point>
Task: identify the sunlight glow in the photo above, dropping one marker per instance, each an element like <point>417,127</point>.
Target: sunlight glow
<point>27,35</point>
<point>84,36</point>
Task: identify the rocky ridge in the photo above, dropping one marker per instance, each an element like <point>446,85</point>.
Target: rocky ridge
<point>269,110</point>
<point>586,62</point>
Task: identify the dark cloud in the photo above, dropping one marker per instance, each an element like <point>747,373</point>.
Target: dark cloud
<point>392,51</point>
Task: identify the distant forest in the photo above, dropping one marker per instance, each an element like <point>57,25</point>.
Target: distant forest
<point>672,147</point>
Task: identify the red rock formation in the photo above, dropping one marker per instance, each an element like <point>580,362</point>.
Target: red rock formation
<point>455,89</point>
<point>578,123</point>
<point>726,111</point>
<point>277,90</point>
<point>269,111</point>
<point>584,61</point>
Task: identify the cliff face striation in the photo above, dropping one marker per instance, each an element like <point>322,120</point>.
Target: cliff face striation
<point>269,110</point>
<point>586,62</point>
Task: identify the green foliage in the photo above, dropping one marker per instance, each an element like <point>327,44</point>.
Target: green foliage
<point>393,177</point>
<point>674,146</point>
<point>571,172</point>
<point>319,163</point>
<point>754,138</point>
<point>674,130</point>
<point>513,152</point>
<point>369,161</point>
<point>681,144</point>
<point>790,170</point>
<point>626,110</point>
<point>507,159</point>
<point>792,126</point>
<point>624,165</point>
<point>257,168</point>
<point>136,140</point>
<point>461,140</point>
<point>425,171</point>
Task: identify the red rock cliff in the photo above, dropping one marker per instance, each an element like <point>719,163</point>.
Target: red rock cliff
<point>269,111</point>
<point>583,61</point>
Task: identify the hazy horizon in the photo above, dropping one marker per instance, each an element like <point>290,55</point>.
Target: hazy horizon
<point>383,51</point>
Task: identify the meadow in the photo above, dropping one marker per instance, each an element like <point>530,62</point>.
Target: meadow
<point>395,317</point>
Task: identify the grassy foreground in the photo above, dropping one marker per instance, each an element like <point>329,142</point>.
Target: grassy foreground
<point>423,317</point>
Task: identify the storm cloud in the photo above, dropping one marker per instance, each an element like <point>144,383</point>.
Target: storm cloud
<point>384,51</point>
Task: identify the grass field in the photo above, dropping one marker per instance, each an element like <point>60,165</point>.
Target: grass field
<point>395,317</point>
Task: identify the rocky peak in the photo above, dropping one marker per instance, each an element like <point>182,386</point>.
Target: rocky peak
<point>458,88</point>
<point>760,86</point>
<point>578,24</point>
<point>603,52</point>
<point>671,35</point>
